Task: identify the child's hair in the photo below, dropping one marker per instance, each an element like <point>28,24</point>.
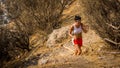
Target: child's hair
<point>77,17</point>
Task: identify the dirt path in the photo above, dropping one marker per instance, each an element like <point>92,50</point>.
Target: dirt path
<point>63,58</point>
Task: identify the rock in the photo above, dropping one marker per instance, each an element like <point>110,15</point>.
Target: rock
<point>57,36</point>
<point>101,57</point>
<point>99,50</point>
<point>42,61</point>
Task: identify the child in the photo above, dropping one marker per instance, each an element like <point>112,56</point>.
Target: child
<point>76,33</point>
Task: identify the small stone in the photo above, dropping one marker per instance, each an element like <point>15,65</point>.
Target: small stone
<point>18,56</point>
<point>42,61</point>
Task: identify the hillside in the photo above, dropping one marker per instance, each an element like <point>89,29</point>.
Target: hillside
<point>43,34</point>
<point>58,49</point>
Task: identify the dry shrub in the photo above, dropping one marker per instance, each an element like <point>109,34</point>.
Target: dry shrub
<point>42,14</point>
<point>12,45</point>
<point>28,16</point>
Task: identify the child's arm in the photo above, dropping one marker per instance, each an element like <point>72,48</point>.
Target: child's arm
<point>70,31</point>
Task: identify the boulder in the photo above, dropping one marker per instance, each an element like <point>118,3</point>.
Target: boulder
<point>57,36</point>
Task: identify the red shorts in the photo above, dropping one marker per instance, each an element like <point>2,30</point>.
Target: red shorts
<point>78,41</point>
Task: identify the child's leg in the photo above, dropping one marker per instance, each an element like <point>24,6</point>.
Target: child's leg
<point>76,51</point>
<point>79,50</point>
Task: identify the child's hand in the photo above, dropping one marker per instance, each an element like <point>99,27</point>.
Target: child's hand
<point>73,36</point>
<point>70,35</point>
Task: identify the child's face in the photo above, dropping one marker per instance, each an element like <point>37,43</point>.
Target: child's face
<point>77,21</point>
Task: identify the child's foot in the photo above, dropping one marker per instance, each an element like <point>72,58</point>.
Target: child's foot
<point>78,53</point>
<point>74,54</point>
